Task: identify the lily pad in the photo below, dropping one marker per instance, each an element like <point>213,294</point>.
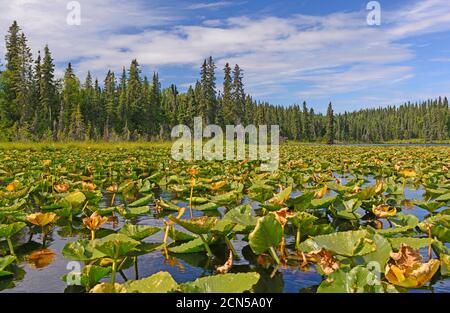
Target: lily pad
<point>161,282</point>
<point>226,283</point>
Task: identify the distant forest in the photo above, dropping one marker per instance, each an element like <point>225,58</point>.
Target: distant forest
<point>35,105</point>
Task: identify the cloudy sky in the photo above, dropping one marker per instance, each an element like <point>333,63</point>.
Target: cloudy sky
<point>290,50</point>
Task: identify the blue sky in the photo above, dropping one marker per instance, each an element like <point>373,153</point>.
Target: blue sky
<point>291,50</point>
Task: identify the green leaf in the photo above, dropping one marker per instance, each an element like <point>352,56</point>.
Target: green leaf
<point>74,200</point>
<point>349,243</point>
<point>241,215</point>
<point>429,206</point>
<point>210,206</point>
<point>302,202</point>
<point>138,232</point>
<point>5,261</point>
<point>177,235</point>
<point>267,234</point>
<point>401,223</point>
<point>323,202</point>
<point>15,207</point>
<point>445,264</point>
<point>225,198</point>
<point>133,211</point>
<point>382,251</point>
<point>226,283</point>
<point>192,246</point>
<point>142,201</point>
<point>440,226</point>
<point>160,282</point>
<point>90,275</point>
<point>81,250</point>
<point>196,225</point>
<point>444,198</point>
<point>115,245</point>
<point>9,230</point>
<point>358,280</point>
<point>198,200</point>
<point>415,243</point>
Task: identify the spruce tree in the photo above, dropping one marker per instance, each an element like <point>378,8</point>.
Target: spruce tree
<point>330,125</point>
<point>238,96</point>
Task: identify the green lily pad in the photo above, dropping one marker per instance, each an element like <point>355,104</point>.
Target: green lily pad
<point>226,283</point>
<point>81,250</point>
<point>8,230</point>
<point>440,226</point>
<point>349,243</point>
<point>138,232</point>
<point>358,280</point>
<point>142,201</point>
<point>115,245</point>
<point>415,243</point>
<point>267,234</point>
<point>161,282</point>
<point>74,200</point>
<point>401,223</point>
<point>196,225</point>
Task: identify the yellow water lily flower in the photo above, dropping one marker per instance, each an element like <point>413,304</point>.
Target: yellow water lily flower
<point>113,188</point>
<point>41,219</point>
<point>321,192</point>
<point>218,185</point>
<point>94,222</point>
<point>193,171</point>
<point>379,186</point>
<point>12,186</point>
<point>407,270</point>
<point>408,173</point>
<point>46,162</point>
<point>383,211</point>
<point>61,188</point>
<point>88,185</point>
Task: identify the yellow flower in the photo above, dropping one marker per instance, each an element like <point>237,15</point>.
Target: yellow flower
<point>321,192</point>
<point>383,211</point>
<point>95,221</point>
<point>218,185</point>
<point>41,219</point>
<point>88,185</point>
<point>407,270</point>
<point>60,188</point>
<point>113,188</point>
<point>408,173</point>
<point>12,186</point>
<point>193,171</point>
<point>46,162</point>
<point>379,186</point>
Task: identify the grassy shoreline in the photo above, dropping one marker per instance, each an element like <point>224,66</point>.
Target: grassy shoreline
<point>105,145</point>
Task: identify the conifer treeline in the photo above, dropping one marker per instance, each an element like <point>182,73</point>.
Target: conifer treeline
<point>34,105</point>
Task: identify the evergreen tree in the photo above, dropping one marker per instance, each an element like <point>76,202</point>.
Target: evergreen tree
<point>238,96</point>
<point>330,125</point>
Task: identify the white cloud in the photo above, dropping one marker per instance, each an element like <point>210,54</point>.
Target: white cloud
<point>336,53</point>
<point>210,5</point>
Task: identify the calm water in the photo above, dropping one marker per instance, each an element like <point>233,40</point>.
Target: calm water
<point>183,268</point>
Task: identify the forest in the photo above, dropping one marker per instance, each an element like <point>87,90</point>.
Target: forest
<point>35,105</point>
